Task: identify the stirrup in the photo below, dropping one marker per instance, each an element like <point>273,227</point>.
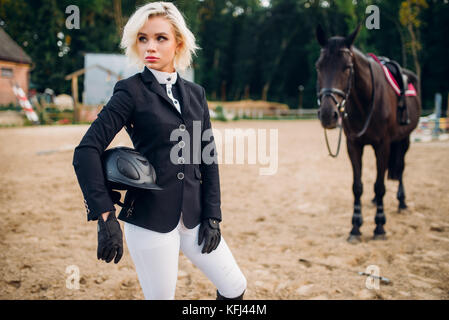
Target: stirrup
<point>403,118</point>
<point>402,112</point>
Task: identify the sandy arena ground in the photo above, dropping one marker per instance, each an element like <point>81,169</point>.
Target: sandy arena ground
<point>270,222</point>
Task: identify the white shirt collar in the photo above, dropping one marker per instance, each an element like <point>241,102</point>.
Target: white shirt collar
<point>164,77</point>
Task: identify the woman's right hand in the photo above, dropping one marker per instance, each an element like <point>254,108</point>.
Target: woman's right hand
<point>110,239</point>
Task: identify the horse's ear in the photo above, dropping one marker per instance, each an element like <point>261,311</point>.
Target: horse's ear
<point>350,38</point>
<point>321,36</point>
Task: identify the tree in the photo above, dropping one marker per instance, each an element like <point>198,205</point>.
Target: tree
<point>409,18</point>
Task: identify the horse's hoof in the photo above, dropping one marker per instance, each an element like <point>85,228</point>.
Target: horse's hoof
<point>354,239</point>
<point>402,206</point>
<point>381,236</point>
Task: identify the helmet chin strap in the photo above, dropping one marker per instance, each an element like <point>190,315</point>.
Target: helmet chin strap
<point>128,204</point>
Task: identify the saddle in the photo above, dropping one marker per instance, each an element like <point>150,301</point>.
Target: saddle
<point>396,71</point>
<point>399,82</point>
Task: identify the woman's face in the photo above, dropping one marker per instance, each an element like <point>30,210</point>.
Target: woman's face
<point>156,44</point>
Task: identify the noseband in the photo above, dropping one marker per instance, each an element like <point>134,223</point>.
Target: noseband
<point>331,92</point>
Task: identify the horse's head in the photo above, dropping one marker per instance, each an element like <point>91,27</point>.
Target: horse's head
<point>334,75</point>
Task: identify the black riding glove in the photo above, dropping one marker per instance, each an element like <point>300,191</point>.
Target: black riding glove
<point>210,232</point>
<point>110,239</point>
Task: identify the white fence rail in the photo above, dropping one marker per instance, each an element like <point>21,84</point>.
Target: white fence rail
<point>266,113</point>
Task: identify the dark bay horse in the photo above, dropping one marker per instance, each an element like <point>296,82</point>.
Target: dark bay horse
<point>353,91</point>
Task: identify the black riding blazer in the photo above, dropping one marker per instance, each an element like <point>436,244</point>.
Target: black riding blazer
<point>141,105</point>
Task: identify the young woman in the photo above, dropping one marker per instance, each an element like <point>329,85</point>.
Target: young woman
<point>186,213</point>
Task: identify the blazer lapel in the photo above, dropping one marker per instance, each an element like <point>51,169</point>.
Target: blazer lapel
<point>185,93</point>
<point>154,86</point>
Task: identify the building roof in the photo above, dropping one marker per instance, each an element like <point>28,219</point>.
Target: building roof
<point>11,51</point>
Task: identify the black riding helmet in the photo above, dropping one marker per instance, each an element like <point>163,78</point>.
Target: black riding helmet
<point>127,169</point>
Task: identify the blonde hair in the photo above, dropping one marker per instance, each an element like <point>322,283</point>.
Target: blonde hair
<point>183,57</point>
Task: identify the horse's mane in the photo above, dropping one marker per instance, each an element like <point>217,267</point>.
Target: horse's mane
<point>359,54</point>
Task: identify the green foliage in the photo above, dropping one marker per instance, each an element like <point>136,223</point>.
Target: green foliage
<point>247,50</point>
<point>219,114</point>
<point>410,11</point>
<point>10,107</point>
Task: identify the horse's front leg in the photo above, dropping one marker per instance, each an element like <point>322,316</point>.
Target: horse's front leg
<point>382,152</point>
<point>355,151</point>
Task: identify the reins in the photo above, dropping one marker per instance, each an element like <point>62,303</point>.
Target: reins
<point>339,143</point>
<point>368,120</point>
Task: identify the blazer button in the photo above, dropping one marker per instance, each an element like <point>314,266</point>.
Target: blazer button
<point>180,175</point>
<point>181,160</point>
<point>181,144</point>
<point>182,127</point>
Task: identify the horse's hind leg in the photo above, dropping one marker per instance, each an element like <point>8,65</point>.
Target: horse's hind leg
<point>355,152</point>
<point>404,145</point>
<point>401,196</point>
<point>382,153</point>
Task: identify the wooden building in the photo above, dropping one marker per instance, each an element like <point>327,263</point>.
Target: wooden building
<point>14,68</point>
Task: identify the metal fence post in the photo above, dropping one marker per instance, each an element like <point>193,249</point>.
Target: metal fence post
<point>438,101</point>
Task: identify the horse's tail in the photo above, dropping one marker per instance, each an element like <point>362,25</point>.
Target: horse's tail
<point>396,161</point>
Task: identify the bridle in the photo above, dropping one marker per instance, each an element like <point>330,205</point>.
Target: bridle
<point>341,106</point>
<point>331,91</point>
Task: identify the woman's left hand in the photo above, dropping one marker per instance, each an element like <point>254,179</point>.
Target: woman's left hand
<point>210,233</point>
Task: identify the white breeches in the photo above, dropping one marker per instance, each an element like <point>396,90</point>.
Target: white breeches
<point>155,256</point>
